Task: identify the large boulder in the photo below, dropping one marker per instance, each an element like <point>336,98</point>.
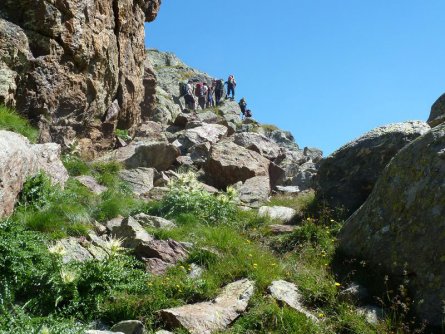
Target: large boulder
<point>255,191</point>
<point>19,160</point>
<point>230,163</point>
<point>401,227</point>
<point>213,316</point>
<point>258,143</point>
<point>67,62</point>
<point>437,115</point>
<point>346,178</point>
<point>210,133</point>
<point>140,180</point>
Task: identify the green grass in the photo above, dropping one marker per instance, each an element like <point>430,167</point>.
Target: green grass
<point>11,121</point>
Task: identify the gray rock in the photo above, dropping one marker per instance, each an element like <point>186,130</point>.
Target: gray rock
<point>347,177</point>
<point>437,115</point>
<point>158,193</point>
<point>400,228</point>
<point>169,251</point>
<point>140,179</point>
<point>91,183</point>
<point>154,222</point>
<point>211,133</point>
<point>150,132</point>
<point>258,143</point>
<point>128,229</point>
<point>195,271</point>
<point>129,327</point>
<point>314,154</point>
<point>157,266</point>
<point>288,293</point>
<point>282,213</point>
<point>304,178</point>
<point>254,191</point>
<point>288,189</point>
<point>213,316</point>
<point>284,139</point>
<point>281,229</point>
<point>74,251</point>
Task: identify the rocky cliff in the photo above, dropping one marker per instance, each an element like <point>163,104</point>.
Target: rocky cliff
<point>75,67</point>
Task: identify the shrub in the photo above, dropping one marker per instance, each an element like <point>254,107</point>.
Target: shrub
<point>11,121</point>
<point>37,191</point>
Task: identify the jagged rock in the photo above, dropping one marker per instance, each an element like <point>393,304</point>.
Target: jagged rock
<point>281,229</point>
<point>91,183</point>
<point>157,266</point>
<point>211,133</point>
<point>278,212</point>
<point>304,178</point>
<point>437,115</point>
<point>200,153</point>
<point>169,251</point>
<point>150,132</point>
<point>154,222</point>
<point>210,317</point>
<point>128,229</point>
<point>290,161</point>
<point>284,139</point>
<point>183,118</point>
<point>288,189</point>
<point>160,179</point>
<point>184,160</point>
<point>158,193</point>
<point>208,117</point>
<point>129,327</point>
<point>255,191</point>
<point>158,155</point>
<point>229,163</point>
<point>20,160</point>
<point>76,59</point>
<point>314,154</point>
<point>288,293</point>
<point>140,179</point>
<point>400,228</point>
<point>258,143</point>
<point>74,251</point>
<point>347,177</point>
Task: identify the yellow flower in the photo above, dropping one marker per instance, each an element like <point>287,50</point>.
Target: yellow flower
<point>321,315</point>
<point>250,255</point>
<point>337,284</point>
<point>274,264</point>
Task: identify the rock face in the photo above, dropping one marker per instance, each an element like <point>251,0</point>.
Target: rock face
<point>437,115</point>
<point>20,160</point>
<point>277,212</point>
<point>210,317</point>
<point>74,67</point>
<point>347,177</point>
<point>254,191</point>
<point>401,225</point>
<point>258,143</point>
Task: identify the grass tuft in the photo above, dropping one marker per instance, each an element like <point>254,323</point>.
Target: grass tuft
<point>11,121</point>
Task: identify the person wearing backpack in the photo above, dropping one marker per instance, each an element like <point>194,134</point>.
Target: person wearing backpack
<point>231,84</point>
<point>243,105</point>
<point>201,90</point>
<point>219,90</point>
<point>188,96</point>
<point>210,101</point>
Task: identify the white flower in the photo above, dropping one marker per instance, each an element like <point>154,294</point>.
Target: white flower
<point>68,276</point>
<point>114,245</point>
<point>57,248</point>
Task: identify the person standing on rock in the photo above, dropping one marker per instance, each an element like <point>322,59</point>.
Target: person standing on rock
<point>188,97</point>
<point>210,100</point>
<point>231,84</point>
<point>243,105</point>
<point>202,95</point>
<point>219,90</point>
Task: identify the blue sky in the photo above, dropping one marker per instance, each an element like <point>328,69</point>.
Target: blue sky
<point>328,71</point>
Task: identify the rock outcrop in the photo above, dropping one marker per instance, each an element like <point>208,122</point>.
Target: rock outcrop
<point>75,67</point>
<point>400,229</point>
<point>437,115</point>
<point>19,160</point>
<point>346,178</point>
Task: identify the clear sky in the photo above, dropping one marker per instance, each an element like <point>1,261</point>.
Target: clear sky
<point>328,71</point>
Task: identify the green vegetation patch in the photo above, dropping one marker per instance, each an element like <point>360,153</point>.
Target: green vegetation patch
<point>11,121</point>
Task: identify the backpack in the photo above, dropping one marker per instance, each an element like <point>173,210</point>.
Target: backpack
<point>231,80</point>
<point>248,113</point>
<point>198,89</point>
<point>219,85</point>
<point>182,89</point>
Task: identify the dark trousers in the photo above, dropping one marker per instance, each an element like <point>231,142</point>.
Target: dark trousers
<point>218,95</point>
<point>231,88</point>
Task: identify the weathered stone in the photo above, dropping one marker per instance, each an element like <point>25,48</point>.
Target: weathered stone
<point>288,293</point>
<point>184,160</point>
<point>129,327</point>
<point>400,229</point>
<point>158,193</point>
<point>195,271</point>
<point>150,132</point>
<point>158,155</point>
<point>154,222</point>
<point>255,191</point>
<point>74,251</point>
<point>128,229</point>
<point>284,139</point>
<point>304,178</point>
<point>211,133</point>
<point>258,143</point>
<point>169,251</point>
<point>210,317</point>
<point>278,212</point>
<point>347,177</point>
<point>140,179</point>
<point>437,115</point>
<point>20,160</point>
<point>372,314</point>
<point>229,163</point>
<point>157,266</point>
<point>200,153</point>
<point>288,189</point>
<point>281,229</point>
<point>91,183</point>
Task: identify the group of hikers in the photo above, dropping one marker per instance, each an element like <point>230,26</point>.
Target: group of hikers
<point>211,95</point>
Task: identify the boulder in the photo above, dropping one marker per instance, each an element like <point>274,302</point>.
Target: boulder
<point>169,251</point>
<point>288,293</point>
<point>74,251</point>
<point>255,191</point>
<point>281,229</point>
<point>158,155</point>
<point>213,316</point>
<point>129,230</point>
<point>288,189</point>
<point>258,143</point>
<point>346,178</point>
<point>207,133</point>
<point>140,180</point>
<point>157,266</point>
<point>437,115</point>
<point>154,222</point>
<point>150,132</point>
<point>129,327</point>
<point>304,178</point>
<point>91,183</point>
<point>400,229</point>
<point>230,163</point>
<point>314,154</point>
<point>284,139</point>
<point>72,61</point>
<point>282,213</point>
<point>20,160</point>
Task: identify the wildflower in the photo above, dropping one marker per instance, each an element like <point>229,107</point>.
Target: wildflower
<point>321,315</point>
<point>337,284</point>
<point>248,241</point>
<point>68,276</point>
<point>114,245</point>
<point>57,249</point>
<point>250,255</point>
<point>332,221</point>
<point>274,264</point>
<point>45,330</point>
<point>255,265</point>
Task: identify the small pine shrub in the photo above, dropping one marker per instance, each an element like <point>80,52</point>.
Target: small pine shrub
<point>11,121</point>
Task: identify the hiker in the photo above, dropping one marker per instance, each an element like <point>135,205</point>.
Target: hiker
<point>243,105</point>
<point>248,113</point>
<point>219,90</point>
<point>231,84</point>
<point>187,91</point>
<point>201,90</point>
<point>210,101</point>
